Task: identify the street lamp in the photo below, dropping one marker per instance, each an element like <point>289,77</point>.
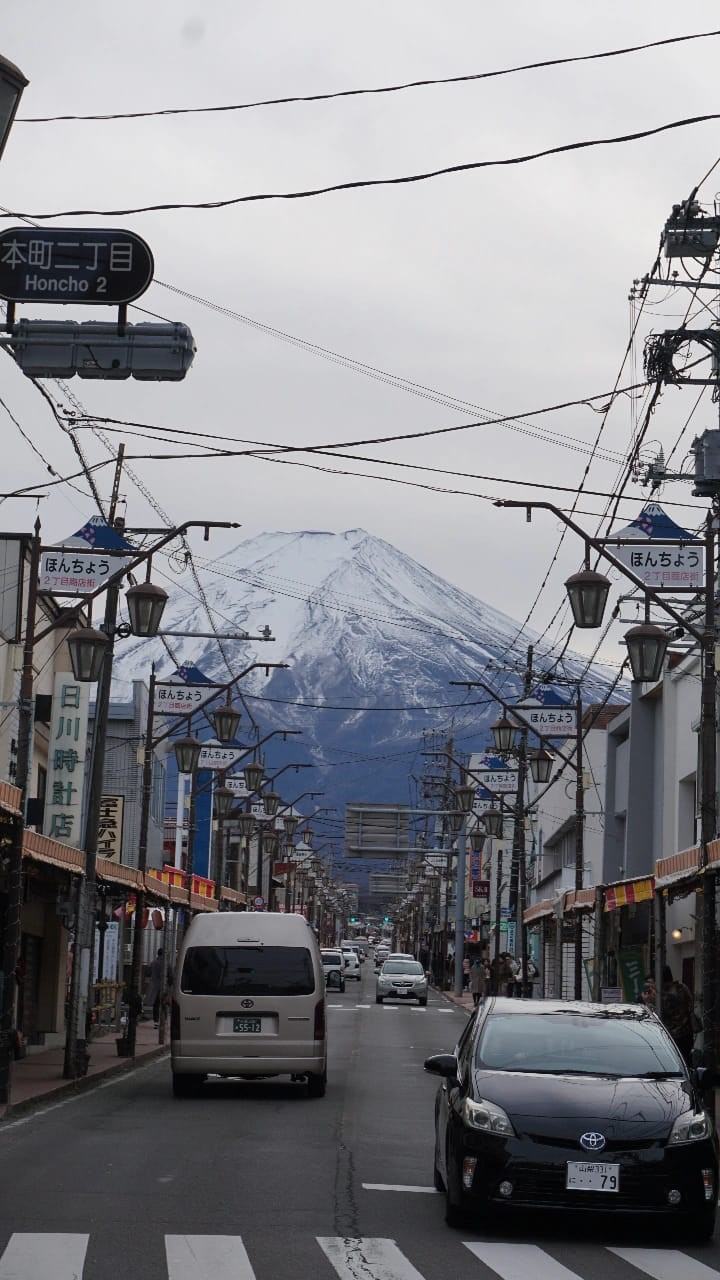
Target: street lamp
<point>587,592</point>
<point>12,83</point>
<point>187,754</point>
<point>541,764</point>
<point>226,720</point>
<point>505,735</point>
<point>647,646</point>
<point>493,822</point>
<point>87,647</point>
<point>271,800</point>
<point>224,799</point>
<point>291,824</point>
<point>145,605</point>
<point>253,774</point>
<point>465,797</point>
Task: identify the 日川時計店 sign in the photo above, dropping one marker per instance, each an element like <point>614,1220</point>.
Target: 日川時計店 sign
<point>73,264</point>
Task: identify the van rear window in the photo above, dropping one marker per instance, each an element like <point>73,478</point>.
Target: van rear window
<point>248,971</point>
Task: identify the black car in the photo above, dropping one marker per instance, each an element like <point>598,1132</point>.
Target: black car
<point>572,1105</point>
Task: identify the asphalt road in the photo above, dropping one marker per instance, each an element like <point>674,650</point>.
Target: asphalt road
<point>258,1181</point>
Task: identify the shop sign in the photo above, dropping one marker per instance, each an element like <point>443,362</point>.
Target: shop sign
<point>110,829</point>
<point>69,572</point>
<point>180,699</point>
<point>66,759</point>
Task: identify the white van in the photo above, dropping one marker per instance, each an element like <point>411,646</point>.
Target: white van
<point>248,1000</point>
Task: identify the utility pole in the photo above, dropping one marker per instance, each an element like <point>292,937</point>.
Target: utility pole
<point>135,1002</point>
<point>519,868</point>
<point>12,931</point>
<point>579,841</point>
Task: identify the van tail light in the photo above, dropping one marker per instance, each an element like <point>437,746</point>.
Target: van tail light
<point>319,1029</point>
<point>174,1020</point>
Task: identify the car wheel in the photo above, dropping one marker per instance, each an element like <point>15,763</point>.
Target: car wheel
<point>186,1086</point>
<point>378,999</point>
<point>422,1000</point>
<point>438,1181</point>
<point>342,987</point>
<point>455,1215</point>
<point>317,1085</point>
<point>700,1226</point>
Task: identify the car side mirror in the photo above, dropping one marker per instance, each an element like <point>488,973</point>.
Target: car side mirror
<point>442,1064</point>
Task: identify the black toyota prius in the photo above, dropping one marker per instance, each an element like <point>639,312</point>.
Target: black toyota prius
<point>573,1106</point>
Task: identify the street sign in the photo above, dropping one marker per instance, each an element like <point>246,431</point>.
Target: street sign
<point>180,699</point>
<point>237,786</point>
<point>69,572</point>
<point>72,264</point>
<point>498,780</point>
<point>548,721</point>
<point>660,552</point>
<point>259,903</point>
<point>217,757</point>
<point>481,889</point>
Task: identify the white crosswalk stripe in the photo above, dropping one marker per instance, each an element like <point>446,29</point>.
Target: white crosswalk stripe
<point>369,1258</point>
<point>667,1264</point>
<point>35,1255</point>
<point>518,1261</point>
<point>207,1258</point>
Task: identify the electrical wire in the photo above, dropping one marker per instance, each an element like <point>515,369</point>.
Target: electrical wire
<point>364,183</point>
<point>392,88</point>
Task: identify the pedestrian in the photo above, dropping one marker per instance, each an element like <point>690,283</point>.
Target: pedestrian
<point>466,972</point>
<point>532,973</point>
<point>518,987</point>
<point>477,981</point>
<point>506,975</point>
<point>487,978</point>
<point>678,1013</point>
<point>648,995</point>
<point>154,991</point>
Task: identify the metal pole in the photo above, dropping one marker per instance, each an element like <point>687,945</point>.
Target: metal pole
<point>12,932</point>
<point>579,842</point>
<point>135,993</point>
<point>460,907</point>
<point>708,802</point>
<point>498,909</point>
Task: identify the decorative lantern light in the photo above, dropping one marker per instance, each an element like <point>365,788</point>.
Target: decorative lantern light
<point>271,800</point>
<point>493,820</point>
<point>505,734</point>
<point>146,605</point>
<point>541,763</point>
<point>290,824</point>
<point>224,799</point>
<point>465,797</point>
<point>226,720</point>
<point>647,645</point>
<point>12,83</point>
<point>307,836</point>
<point>245,825</point>
<point>187,754</point>
<point>253,774</point>
<point>456,821</point>
<point>87,653</point>
<point>588,593</point>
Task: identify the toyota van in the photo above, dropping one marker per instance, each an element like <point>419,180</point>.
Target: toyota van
<point>248,1001</point>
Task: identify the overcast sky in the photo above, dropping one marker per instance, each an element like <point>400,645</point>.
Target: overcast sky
<point>505,288</point>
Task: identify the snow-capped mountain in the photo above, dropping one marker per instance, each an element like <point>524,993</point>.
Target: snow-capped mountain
<point>372,640</point>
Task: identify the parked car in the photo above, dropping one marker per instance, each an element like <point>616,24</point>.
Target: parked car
<point>352,963</point>
<point>334,968</point>
<point>403,979</point>
<point>573,1106</point>
<point>381,955</point>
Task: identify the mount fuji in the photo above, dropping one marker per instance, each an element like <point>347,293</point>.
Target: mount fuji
<point>372,640</point>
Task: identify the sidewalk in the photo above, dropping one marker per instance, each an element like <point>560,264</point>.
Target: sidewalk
<point>39,1076</point>
<point>464,1001</point>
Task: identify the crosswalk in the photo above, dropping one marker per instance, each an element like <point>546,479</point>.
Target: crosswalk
<point>62,1256</point>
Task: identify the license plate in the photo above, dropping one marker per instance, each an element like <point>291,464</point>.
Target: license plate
<point>592,1177</point>
<point>247,1024</point>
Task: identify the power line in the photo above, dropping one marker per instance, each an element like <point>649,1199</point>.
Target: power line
<point>354,93</point>
<point>359,183</point>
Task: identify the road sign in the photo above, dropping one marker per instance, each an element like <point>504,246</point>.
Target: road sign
<point>180,699</point>
<point>259,903</point>
<point>72,264</point>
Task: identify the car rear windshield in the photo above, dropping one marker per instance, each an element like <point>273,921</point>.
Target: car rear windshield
<point>580,1044</point>
<point>331,957</point>
<point>402,966</point>
<point>248,971</point>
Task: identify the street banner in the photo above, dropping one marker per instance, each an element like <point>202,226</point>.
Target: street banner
<point>76,573</point>
<point>670,564</point>
<point>498,780</point>
<point>213,756</point>
<point>180,699</point>
<point>548,721</point>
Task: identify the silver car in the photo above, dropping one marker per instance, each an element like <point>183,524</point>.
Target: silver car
<point>402,980</point>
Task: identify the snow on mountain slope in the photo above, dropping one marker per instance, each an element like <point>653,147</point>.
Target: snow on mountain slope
<point>365,630</point>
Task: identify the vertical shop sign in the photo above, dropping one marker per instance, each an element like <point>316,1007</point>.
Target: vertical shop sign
<point>66,759</point>
<point>110,829</point>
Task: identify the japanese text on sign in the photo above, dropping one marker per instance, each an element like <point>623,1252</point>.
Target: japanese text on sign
<point>498,779</point>
<point>110,829</point>
<point>219,757</point>
<point>550,722</point>
<point>664,566</point>
<point>73,573</point>
<point>180,699</point>
<point>73,265</point>
<point>66,759</point>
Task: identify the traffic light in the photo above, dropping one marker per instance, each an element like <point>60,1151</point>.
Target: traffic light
<point>353,919</point>
<point>386,919</point>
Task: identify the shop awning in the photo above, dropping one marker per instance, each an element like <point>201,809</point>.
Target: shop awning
<point>679,866</point>
<point>10,799</point>
<point>578,900</point>
<point>54,853</point>
<point>626,892</point>
<point>233,896</point>
<point>540,909</point>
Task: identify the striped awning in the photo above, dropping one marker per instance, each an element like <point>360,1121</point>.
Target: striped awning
<point>540,909</point>
<point>54,853</point>
<point>629,891</point>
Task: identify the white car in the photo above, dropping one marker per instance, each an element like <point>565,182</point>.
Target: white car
<point>334,967</point>
<point>352,964</point>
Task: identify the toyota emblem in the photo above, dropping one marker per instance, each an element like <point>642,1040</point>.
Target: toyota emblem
<point>248,1004</point>
<point>592,1141</point>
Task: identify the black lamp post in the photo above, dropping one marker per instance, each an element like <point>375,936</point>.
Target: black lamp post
<point>493,821</point>
<point>87,647</point>
<point>253,774</point>
<point>226,720</point>
<point>541,764</point>
<point>187,754</point>
<point>271,800</point>
<point>291,824</point>
<point>12,83</point>
<point>505,735</point>
<point>145,605</point>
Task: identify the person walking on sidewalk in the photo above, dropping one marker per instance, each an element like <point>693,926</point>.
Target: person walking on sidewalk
<point>477,981</point>
<point>154,990</point>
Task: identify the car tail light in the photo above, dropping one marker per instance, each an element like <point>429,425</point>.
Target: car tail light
<point>174,1020</point>
<point>319,1029</point>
